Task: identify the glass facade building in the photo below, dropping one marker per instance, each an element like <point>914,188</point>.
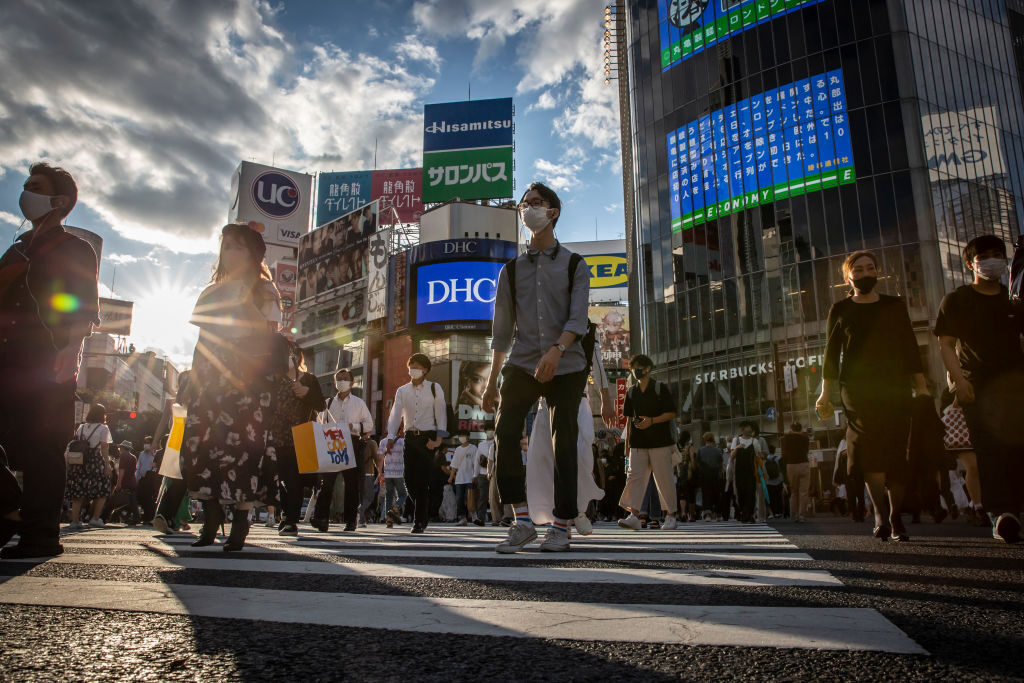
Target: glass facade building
<point>768,139</point>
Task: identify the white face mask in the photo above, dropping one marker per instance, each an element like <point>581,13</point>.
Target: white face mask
<point>343,385</point>
<point>536,218</point>
<point>34,206</point>
<point>463,440</point>
<point>415,373</point>
<point>990,268</point>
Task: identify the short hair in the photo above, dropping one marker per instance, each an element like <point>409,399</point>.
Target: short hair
<point>97,414</point>
<point>853,258</point>
<point>983,243</point>
<point>419,359</point>
<point>341,371</point>
<point>62,182</point>
<point>461,430</point>
<point>709,437</point>
<point>148,439</point>
<point>796,427</point>
<point>641,360</point>
<point>549,196</point>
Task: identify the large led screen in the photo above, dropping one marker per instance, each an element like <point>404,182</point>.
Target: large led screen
<point>781,143</point>
<point>456,291</point>
<point>689,26</point>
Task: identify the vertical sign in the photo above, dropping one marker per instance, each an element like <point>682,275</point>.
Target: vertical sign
<point>620,403</point>
<point>377,276</point>
<point>340,193</point>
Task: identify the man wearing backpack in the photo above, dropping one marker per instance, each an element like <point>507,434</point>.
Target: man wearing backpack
<point>420,406</point>
<point>649,410</point>
<point>540,317</point>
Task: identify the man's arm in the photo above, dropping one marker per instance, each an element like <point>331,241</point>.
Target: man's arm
<point>366,420</point>
<point>395,419</point>
<point>491,390</point>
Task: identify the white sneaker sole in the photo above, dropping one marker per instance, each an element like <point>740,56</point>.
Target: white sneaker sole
<point>507,549</point>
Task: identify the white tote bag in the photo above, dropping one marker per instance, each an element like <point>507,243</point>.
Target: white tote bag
<point>170,465</point>
<point>323,446</point>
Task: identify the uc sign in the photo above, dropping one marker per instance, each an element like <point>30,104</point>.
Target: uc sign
<point>275,194</point>
<point>607,270</point>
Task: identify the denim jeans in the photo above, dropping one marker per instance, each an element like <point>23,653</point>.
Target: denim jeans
<point>461,493</point>
<point>395,494</point>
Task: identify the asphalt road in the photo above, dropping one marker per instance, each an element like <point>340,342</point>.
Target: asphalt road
<point>821,601</point>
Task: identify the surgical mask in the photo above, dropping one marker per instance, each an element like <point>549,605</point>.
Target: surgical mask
<point>343,385</point>
<point>865,284</point>
<point>415,373</point>
<point>34,206</point>
<point>990,268</point>
<point>463,440</point>
<point>536,218</point>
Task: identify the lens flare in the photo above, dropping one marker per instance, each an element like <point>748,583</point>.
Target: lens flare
<point>65,303</point>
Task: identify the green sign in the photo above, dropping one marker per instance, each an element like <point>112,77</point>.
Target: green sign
<point>482,173</point>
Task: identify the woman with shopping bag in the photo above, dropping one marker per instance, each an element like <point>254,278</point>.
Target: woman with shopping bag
<point>226,459</point>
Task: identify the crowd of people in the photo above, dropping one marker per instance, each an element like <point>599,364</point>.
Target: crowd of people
<point>249,385</point>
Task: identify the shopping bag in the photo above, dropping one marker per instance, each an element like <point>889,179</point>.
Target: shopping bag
<point>170,465</point>
<point>323,447</point>
<point>957,436</point>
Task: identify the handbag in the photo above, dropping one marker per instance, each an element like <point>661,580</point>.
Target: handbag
<point>78,448</point>
<point>957,436</point>
<point>322,446</point>
<point>170,465</point>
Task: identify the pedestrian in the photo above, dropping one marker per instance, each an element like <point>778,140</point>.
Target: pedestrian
<point>127,464</point>
<point>775,477</point>
<point>461,474</point>
<point>852,479</point>
<point>345,408</point>
<point>225,454</point>
<point>481,485</point>
<point>372,468</point>
<point>148,479</point>
<point>709,477</point>
<point>649,408</point>
<point>501,515</point>
<point>420,407</point>
<point>299,400</point>
<point>90,481</point>
<point>173,498</point>
<point>48,305</point>
<point>979,333</point>
<point>795,449</point>
<point>872,353</point>
<point>540,316</point>
<point>744,453</point>
<point>393,479</point>
<point>686,479</point>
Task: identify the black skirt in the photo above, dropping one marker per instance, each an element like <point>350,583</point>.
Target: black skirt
<point>878,428</point>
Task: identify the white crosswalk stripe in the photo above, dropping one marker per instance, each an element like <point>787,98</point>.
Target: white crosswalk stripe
<point>695,557</point>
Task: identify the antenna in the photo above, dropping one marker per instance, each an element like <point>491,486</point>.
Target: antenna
<point>469,90</point>
<point>595,228</point>
<point>113,277</point>
<point>375,154</point>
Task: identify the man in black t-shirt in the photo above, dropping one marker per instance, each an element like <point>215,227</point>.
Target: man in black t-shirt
<point>979,334</point>
<point>649,408</point>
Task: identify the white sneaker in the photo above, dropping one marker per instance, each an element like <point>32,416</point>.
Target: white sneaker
<point>583,525</point>
<point>270,523</point>
<point>670,523</point>
<point>519,536</point>
<point>555,541</point>
<point>462,522</point>
<point>631,522</point>
<point>75,526</point>
<point>96,522</point>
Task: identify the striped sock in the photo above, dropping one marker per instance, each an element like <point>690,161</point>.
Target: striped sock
<point>523,515</point>
<point>560,525</point>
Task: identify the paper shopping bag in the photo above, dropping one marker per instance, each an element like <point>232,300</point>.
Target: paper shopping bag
<point>170,466</point>
<point>323,447</point>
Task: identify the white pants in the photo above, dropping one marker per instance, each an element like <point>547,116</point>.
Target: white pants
<point>642,463</point>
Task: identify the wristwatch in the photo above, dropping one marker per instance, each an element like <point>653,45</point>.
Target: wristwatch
<point>560,347</point>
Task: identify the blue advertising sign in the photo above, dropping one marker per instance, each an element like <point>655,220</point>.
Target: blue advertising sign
<point>689,26</point>
<point>467,125</point>
<point>456,291</point>
<point>340,193</point>
<point>275,194</point>
<point>786,141</point>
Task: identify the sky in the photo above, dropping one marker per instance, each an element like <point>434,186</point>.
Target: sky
<point>151,105</point>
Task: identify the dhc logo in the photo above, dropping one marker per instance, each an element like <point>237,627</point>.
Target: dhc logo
<point>275,194</point>
<point>462,290</point>
<point>607,270</point>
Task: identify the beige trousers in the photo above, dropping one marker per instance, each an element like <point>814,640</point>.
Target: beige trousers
<point>799,478</point>
<point>642,463</point>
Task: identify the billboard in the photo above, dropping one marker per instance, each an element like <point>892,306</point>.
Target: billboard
<point>468,399</point>
<point>783,142</point>
<point>467,150</point>
<point>689,26</point>
<point>339,319</point>
<point>377,275</point>
<point>609,269</point>
<point>340,193</point>
<point>456,290</point>
<point>401,189</point>
<point>278,198</point>
<point>335,254</point>
<point>285,277</point>
<point>963,145</point>
<point>612,335</point>
<point>115,316</point>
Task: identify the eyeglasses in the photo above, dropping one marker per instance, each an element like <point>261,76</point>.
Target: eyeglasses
<point>527,203</point>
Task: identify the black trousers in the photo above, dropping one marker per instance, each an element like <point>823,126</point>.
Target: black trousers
<point>169,503</point>
<point>994,421</point>
<point>855,492</point>
<point>353,480</point>
<point>746,485</point>
<point>293,485</point>
<point>519,392</point>
<point>37,419</point>
<point>419,464</point>
<point>149,487</point>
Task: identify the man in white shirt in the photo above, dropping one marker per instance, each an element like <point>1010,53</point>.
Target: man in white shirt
<point>463,473</point>
<point>419,406</point>
<point>392,479</point>
<point>349,409</point>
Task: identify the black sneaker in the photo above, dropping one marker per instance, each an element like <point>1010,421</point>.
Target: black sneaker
<point>8,527</point>
<point>478,521</point>
<point>288,530</point>
<point>25,551</point>
<point>350,527</point>
<point>417,529</point>
<point>319,524</point>
<point>1007,528</point>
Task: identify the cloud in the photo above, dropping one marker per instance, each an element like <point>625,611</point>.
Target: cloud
<point>560,177</point>
<point>414,49</point>
<point>545,101</point>
<point>152,105</point>
<point>10,218</point>
<point>121,259</point>
<point>613,207</point>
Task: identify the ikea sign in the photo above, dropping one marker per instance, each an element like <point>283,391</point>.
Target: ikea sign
<point>607,270</point>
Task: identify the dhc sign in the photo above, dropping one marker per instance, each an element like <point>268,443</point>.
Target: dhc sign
<point>456,291</point>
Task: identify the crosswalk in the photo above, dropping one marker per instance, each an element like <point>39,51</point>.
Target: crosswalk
<point>618,586</point>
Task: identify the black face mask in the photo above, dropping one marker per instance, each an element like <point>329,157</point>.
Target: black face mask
<point>865,284</point>
<point>640,373</point>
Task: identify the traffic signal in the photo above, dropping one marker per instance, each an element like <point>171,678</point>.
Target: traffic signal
<point>132,415</point>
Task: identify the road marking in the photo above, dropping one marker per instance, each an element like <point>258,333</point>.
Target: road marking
<point>825,628</point>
